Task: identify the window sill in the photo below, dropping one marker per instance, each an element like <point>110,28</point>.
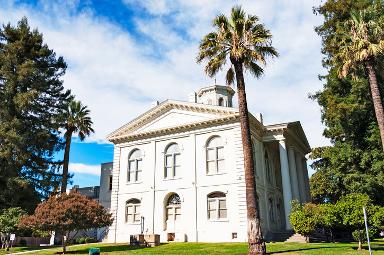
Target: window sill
<point>211,174</point>
<point>129,183</point>
<point>133,223</point>
<point>218,220</point>
<point>172,179</point>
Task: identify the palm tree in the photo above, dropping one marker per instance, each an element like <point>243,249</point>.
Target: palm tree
<point>77,120</point>
<point>246,43</point>
<point>361,41</point>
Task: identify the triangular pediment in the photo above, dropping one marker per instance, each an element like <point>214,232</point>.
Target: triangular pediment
<point>171,114</point>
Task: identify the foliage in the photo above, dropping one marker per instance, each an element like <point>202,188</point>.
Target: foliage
<point>75,119</point>
<point>244,41</point>
<point>240,38</point>
<point>378,217</point>
<point>304,218</point>
<point>355,161</point>
<point>67,212</point>
<point>9,219</point>
<point>32,96</point>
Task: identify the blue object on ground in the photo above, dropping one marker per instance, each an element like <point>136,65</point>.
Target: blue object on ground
<point>94,251</point>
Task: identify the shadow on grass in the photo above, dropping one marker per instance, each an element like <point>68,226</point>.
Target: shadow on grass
<point>115,248</point>
<point>300,249</point>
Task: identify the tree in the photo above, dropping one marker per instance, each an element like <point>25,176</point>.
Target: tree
<point>66,213</point>
<point>76,120</point>
<point>246,43</point>
<point>32,96</point>
<point>350,208</point>
<point>355,161</point>
<point>361,40</point>
<point>9,220</point>
<point>304,218</point>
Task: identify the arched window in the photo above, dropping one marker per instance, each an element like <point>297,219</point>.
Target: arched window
<point>172,161</point>
<point>221,101</point>
<point>132,211</point>
<point>215,155</point>
<point>217,206</point>
<point>173,208</point>
<point>268,169</point>
<point>134,166</point>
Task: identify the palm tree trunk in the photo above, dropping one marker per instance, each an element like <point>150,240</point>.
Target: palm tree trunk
<point>66,161</point>
<point>256,243</point>
<point>376,98</point>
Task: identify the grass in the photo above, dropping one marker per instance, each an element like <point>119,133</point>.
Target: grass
<point>219,248</point>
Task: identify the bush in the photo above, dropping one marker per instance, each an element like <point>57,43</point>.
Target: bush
<point>80,240</point>
<point>304,218</point>
<point>90,240</point>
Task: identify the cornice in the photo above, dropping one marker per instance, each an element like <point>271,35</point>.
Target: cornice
<point>165,106</point>
<point>176,129</point>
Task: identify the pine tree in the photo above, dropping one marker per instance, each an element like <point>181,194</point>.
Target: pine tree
<point>32,96</point>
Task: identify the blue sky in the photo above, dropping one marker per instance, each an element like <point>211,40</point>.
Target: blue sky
<point>123,55</point>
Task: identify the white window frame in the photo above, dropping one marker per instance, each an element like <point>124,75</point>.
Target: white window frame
<point>136,172</point>
<point>216,159</point>
<point>170,171</point>
<point>135,204</point>
<point>217,200</point>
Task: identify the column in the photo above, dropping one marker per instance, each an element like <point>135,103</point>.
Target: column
<point>306,179</point>
<point>293,173</point>
<point>300,176</point>
<point>286,180</point>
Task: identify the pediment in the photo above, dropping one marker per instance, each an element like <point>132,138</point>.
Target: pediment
<point>171,114</point>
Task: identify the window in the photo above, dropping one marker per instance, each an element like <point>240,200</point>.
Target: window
<point>172,161</point>
<point>134,166</point>
<point>215,155</point>
<point>132,211</point>
<point>221,101</point>
<point>173,208</point>
<point>217,206</point>
<point>268,169</point>
<point>271,210</point>
<point>110,182</point>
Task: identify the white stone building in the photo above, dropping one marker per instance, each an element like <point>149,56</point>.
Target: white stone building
<point>180,166</point>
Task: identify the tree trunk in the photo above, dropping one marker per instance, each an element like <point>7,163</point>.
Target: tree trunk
<point>376,98</point>
<point>360,247</point>
<point>66,162</point>
<point>64,242</point>
<point>256,243</point>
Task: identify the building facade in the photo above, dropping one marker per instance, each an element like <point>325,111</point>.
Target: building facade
<point>178,171</point>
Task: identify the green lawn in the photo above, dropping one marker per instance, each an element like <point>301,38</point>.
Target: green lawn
<point>221,248</point>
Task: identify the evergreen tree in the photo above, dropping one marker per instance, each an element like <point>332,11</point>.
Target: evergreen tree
<point>32,96</point>
<point>355,161</point>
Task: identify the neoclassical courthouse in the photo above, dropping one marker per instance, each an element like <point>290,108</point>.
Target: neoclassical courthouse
<point>178,172</point>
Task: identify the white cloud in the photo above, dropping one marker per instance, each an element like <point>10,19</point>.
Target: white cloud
<point>79,168</point>
<point>118,76</point>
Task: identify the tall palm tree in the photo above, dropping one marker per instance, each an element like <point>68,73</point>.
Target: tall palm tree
<point>246,43</point>
<point>361,41</point>
<point>76,120</point>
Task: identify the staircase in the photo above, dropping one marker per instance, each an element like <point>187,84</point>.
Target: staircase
<point>297,238</point>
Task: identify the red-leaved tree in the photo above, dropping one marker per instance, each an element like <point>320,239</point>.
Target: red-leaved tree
<point>66,213</point>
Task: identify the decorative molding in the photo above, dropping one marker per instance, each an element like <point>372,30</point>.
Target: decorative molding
<point>183,128</point>
<point>166,106</point>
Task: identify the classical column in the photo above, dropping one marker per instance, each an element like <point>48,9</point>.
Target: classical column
<point>293,173</point>
<point>286,180</point>
<point>301,179</point>
<point>306,179</point>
